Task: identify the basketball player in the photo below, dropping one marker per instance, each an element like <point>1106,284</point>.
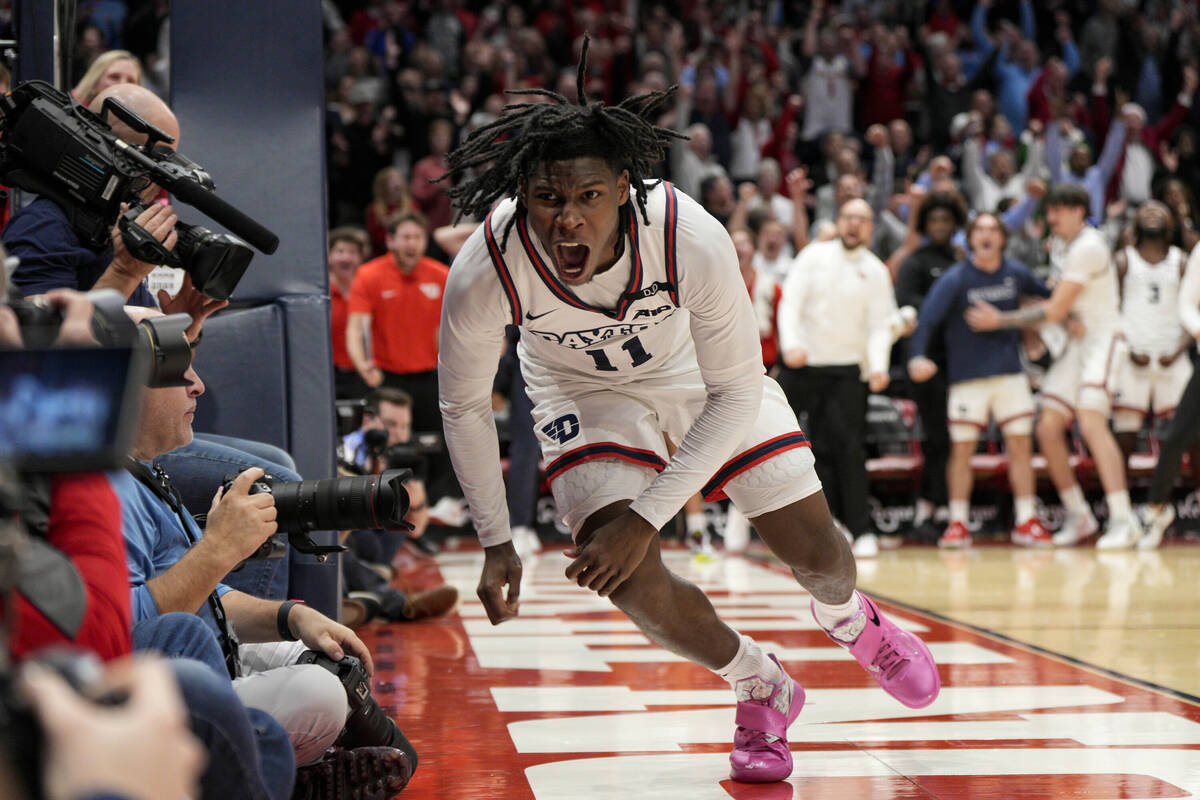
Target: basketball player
<point>1153,376</point>
<point>636,323</point>
<point>1078,383</point>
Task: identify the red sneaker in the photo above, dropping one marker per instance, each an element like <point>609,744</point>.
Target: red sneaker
<point>1031,533</point>
<point>956,535</point>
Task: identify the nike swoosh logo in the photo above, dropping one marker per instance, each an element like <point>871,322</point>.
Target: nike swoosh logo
<point>874,614</point>
<point>532,317</point>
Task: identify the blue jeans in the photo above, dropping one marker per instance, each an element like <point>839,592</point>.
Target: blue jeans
<point>376,546</point>
<point>198,469</point>
<point>249,754</point>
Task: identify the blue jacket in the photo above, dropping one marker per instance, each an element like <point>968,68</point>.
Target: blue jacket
<point>970,354</point>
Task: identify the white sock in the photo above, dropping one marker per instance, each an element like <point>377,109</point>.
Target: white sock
<point>830,616</point>
<point>696,523</point>
<point>753,676</point>
<point>1023,509</point>
<point>1118,505</point>
<point>750,660</point>
<point>960,510</point>
<point>1073,500</point>
<point>924,511</point>
<point>737,530</point>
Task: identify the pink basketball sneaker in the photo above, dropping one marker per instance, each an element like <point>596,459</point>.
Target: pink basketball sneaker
<point>897,660</point>
<point>760,749</point>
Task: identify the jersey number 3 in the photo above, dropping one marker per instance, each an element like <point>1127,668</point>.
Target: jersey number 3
<point>633,347</point>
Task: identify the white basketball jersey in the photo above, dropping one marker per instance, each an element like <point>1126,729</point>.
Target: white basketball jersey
<point>1087,260</point>
<point>643,333</point>
<point>1150,302</point>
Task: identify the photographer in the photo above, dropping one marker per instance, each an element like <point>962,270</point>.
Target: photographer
<point>80,597</point>
<point>367,566</point>
<point>174,568</point>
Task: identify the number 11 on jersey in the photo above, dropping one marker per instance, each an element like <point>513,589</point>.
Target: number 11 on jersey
<point>633,347</point>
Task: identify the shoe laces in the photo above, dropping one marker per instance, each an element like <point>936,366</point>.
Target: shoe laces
<point>756,741</point>
<point>889,660</point>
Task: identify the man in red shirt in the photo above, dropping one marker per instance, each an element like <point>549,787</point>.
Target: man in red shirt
<point>348,246</point>
<point>398,299</point>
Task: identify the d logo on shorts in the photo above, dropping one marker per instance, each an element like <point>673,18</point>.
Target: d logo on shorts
<point>562,429</point>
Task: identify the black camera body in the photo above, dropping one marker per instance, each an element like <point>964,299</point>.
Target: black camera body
<point>161,341</point>
<point>55,147</point>
<point>366,725</point>
<point>216,261</point>
<point>333,504</point>
<point>412,455</point>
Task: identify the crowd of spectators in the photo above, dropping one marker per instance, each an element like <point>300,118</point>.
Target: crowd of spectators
<point>793,109</point>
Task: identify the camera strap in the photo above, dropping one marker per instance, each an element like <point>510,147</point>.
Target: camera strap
<point>159,482</point>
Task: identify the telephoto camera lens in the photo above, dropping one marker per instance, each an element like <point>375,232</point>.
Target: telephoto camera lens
<point>337,504</point>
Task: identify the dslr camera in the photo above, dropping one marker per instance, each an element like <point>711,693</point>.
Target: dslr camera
<point>55,147</point>
<point>332,504</point>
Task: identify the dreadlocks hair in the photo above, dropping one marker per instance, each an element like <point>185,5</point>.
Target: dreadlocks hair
<point>528,133</point>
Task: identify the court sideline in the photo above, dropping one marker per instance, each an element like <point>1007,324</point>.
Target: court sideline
<point>1073,672</point>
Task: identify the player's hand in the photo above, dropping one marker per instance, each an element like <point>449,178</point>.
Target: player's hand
<point>1139,358</point>
<point>982,317</point>
<point>795,358</point>
<point>1075,328</point>
<point>921,369</point>
<point>501,566</point>
<point>612,554</point>
<point>878,381</point>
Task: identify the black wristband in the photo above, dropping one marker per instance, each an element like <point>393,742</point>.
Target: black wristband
<point>281,620</point>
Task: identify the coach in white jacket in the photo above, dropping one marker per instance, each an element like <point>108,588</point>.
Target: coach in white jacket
<point>836,331</point>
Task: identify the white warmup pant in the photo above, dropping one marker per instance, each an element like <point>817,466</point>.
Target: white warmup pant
<point>307,700</point>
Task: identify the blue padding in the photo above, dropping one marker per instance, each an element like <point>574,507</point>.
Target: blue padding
<point>312,431</point>
<point>35,41</point>
<point>268,377</point>
<point>240,361</point>
<point>251,111</point>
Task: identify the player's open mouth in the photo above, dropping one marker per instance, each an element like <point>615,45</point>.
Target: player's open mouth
<point>571,258</point>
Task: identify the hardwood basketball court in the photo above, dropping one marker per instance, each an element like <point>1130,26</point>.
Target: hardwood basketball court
<point>1066,673</point>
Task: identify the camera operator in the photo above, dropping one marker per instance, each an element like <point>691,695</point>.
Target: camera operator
<point>52,256</point>
<point>174,568</point>
<point>248,753</point>
<point>367,569</point>
<point>51,252</point>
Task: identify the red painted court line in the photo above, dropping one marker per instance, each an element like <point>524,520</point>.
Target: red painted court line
<point>428,677</point>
